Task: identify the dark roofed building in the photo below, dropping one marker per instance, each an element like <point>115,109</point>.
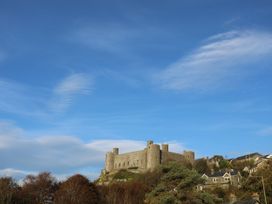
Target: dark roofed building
<point>222,178</point>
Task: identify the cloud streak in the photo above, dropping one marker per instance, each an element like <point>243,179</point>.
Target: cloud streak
<point>220,59</point>
<point>69,88</point>
<point>41,102</point>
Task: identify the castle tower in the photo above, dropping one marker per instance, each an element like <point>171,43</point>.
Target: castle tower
<point>109,163</point>
<point>149,142</point>
<point>115,151</point>
<point>153,156</point>
<point>189,155</point>
<point>165,147</point>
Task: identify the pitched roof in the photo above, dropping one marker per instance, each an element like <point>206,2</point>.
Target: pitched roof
<point>221,173</point>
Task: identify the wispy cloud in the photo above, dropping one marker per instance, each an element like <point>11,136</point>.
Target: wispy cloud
<point>111,38</point>
<point>39,101</point>
<point>118,39</point>
<point>221,58</point>
<point>265,131</point>
<point>22,99</point>
<point>60,154</point>
<point>67,89</point>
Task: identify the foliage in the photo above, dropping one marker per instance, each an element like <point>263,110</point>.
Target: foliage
<point>254,182</point>
<point>171,183</point>
<point>201,166</point>
<point>177,185</point>
<point>223,164</point>
<point>38,189</point>
<point>8,191</point>
<point>126,193</point>
<point>240,165</point>
<point>77,190</point>
<point>124,175</point>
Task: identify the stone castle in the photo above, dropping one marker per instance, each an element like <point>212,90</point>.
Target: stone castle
<point>147,159</point>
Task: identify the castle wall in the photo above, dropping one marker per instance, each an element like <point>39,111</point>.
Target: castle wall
<point>129,160</point>
<point>171,156</point>
<point>148,159</point>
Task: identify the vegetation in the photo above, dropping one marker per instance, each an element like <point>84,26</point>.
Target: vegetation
<point>171,183</point>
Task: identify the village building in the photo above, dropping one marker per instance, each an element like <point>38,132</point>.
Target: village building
<point>221,178</point>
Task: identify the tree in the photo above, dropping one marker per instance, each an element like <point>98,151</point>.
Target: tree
<point>254,182</point>
<point>223,164</point>
<point>39,189</point>
<point>202,167</point>
<point>77,190</point>
<point>8,191</point>
<point>177,185</point>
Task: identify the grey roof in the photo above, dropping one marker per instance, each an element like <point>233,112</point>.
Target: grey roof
<point>221,173</point>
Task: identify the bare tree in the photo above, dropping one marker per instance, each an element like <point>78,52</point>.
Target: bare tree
<point>39,189</point>
<point>77,190</point>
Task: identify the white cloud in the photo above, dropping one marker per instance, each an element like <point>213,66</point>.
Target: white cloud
<point>111,38</point>
<point>119,39</point>
<point>15,173</point>
<point>42,102</point>
<point>68,88</point>
<point>74,84</point>
<point>220,59</point>
<point>21,99</point>
<point>22,154</point>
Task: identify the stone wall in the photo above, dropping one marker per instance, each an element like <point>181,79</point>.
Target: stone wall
<point>147,159</point>
<point>130,160</point>
<point>171,156</point>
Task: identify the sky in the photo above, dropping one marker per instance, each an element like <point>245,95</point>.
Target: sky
<point>78,78</point>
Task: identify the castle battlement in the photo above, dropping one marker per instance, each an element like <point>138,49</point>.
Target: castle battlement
<point>147,159</point>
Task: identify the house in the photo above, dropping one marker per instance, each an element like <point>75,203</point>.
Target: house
<point>221,178</point>
<point>259,163</point>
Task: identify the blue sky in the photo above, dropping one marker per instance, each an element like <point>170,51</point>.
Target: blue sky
<point>80,77</point>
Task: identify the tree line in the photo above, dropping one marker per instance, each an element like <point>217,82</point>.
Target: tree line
<point>171,183</point>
